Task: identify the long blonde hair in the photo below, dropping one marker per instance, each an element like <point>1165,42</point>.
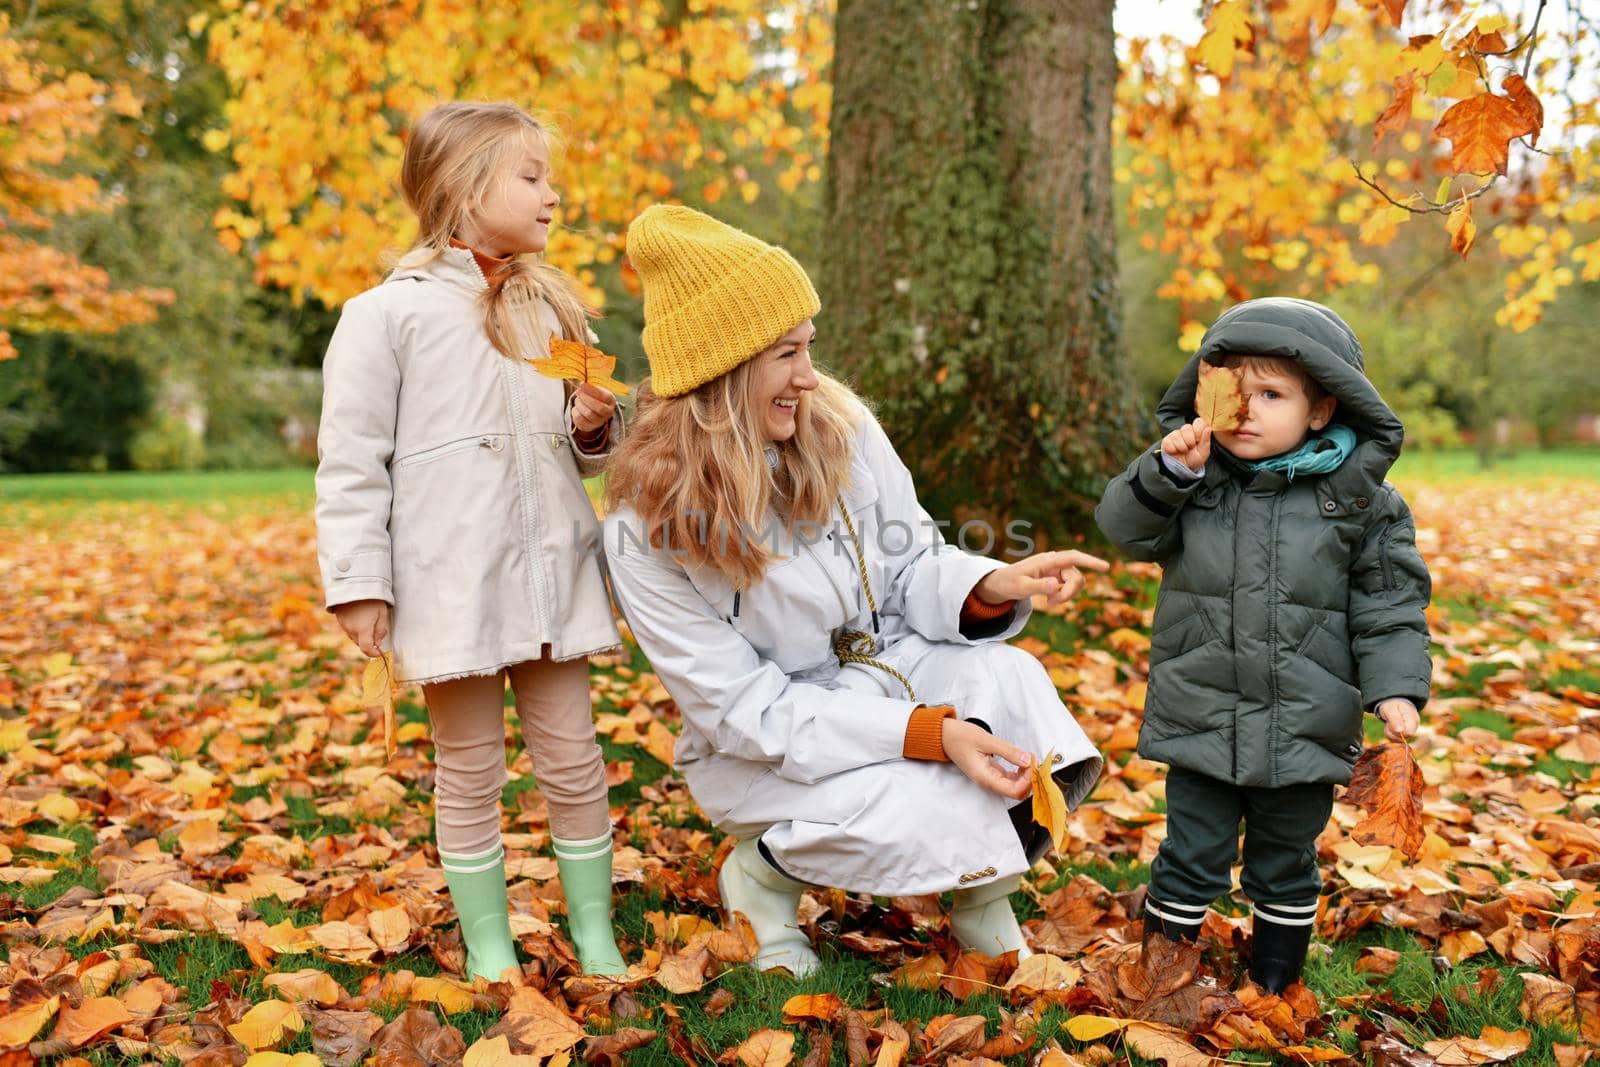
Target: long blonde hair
<point>454,154</point>
<point>694,469</point>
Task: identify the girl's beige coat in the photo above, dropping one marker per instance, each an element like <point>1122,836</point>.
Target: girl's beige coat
<point>448,483</point>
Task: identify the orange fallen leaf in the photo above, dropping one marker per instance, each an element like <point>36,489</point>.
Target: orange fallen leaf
<point>19,1027</point>
<point>764,1048</point>
<point>1218,398</point>
<point>822,1006</point>
<point>1387,784</point>
<point>577,362</point>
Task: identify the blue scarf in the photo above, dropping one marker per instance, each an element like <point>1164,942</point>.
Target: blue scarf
<point>1319,454</point>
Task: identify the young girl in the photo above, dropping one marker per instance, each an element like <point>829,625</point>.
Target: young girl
<point>452,519</point>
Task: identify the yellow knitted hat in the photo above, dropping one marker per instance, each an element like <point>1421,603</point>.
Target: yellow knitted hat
<point>714,296</point>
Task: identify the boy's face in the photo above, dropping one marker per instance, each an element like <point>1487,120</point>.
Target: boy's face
<point>1280,416</point>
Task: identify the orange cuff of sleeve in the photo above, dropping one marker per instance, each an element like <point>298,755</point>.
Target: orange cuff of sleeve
<point>975,610</point>
<point>925,732</point>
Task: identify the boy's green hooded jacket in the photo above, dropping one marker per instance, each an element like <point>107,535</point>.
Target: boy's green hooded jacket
<point>1286,608</point>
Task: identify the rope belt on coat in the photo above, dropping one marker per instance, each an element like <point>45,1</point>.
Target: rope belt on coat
<point>857,646</point>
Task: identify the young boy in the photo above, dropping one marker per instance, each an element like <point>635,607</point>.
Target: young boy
<point>1291,601</point>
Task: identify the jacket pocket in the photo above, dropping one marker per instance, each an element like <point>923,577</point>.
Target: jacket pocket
<point>1327,650</point>
<point>493,441</point>
<point>1183,636</point>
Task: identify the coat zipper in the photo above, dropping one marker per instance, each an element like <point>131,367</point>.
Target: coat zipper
<point>1383,559</point>
<point>1272,648</point>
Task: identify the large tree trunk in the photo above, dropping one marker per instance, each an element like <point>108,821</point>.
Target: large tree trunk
<point>970,283</point>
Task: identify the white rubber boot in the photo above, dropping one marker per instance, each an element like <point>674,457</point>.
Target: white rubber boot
<point>982,920</point>
<point>769,899</point>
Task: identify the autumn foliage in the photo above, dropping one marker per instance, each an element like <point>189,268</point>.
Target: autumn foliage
<point>46,118</point>
<point>1288,146</point>
<point>191,759</point>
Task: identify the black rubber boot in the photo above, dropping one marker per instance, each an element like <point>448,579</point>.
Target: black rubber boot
<point>1175,922</point>
<point>1280,952</point>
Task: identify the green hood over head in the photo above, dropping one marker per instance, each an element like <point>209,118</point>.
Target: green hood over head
<point>1325,345</point>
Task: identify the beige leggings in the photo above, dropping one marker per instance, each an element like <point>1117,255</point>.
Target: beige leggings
<point>469,741</point>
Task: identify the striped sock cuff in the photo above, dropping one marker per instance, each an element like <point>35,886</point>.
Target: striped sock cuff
<point>1288,914</point>
<point>471,863</point>
<point>590,849</point>
<point>1184,915</point>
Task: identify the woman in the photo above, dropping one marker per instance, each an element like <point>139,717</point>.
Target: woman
<point>850,711</point>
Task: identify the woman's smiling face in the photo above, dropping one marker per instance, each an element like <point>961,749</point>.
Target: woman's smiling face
<point>782,375</point>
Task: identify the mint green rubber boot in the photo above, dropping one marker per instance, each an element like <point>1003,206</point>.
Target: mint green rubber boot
<point>478,890</point>
<point>585,868</point>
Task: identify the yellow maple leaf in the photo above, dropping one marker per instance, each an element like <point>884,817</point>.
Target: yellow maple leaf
<point>1218,398</point>
<point>377,691</point>
<point>1227,30</point>
<point>1049,806</point>
<point>267,1024</point>
<point>576,362</point>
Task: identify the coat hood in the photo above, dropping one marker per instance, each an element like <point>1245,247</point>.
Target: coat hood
<point>1328,349</point>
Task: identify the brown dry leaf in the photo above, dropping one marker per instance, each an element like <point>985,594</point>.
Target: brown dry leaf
<point>1043,973</point>
<point>611,1048</point>
<point>1494,1045</point>
<point>1387,783</point>
<point>1049,805</point>
<point>390,928</point>
<point>415,1036</point>
<point>684,973</point>
<point>1164,1043</point>
<point>267,1024</point>
<point>1218,398</point>
<point>1548,1002</point>
<point>535,1025</point>
<point>764,1048</point>
<point>377,694</point>
<point>577,362</point>
<point>956,1035</point>
<point>342,1038</point>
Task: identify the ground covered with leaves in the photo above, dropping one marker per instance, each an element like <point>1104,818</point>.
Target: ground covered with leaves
<point>206,859</point>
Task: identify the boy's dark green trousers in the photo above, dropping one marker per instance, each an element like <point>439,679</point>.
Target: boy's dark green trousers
<point>1280,854</point>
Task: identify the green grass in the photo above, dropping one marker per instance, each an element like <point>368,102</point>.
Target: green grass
<point>1456,464</point>
<point>1415,465</point>
<point>156,485</point>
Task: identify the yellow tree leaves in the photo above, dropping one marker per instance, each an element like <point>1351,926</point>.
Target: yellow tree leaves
<point>377,694</point>
<point>573,361</point>
<point>648,95</point>
<point>1049,805</point>
<point>1387,783</point>
<point>1227,33</point>
<point>1218,398</point>
<point>46,116</point>
<point>1242,171</point>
